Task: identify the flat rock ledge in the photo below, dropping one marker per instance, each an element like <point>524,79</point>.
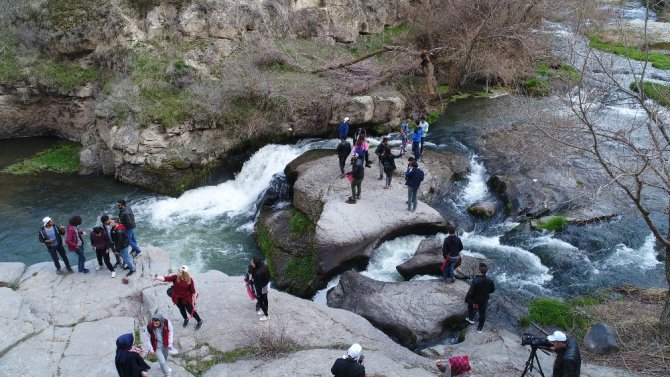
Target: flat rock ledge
<point>55,325</point>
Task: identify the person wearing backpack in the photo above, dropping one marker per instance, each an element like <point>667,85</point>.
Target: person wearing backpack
<point>51,236</point>
<point>159,342</point>
<point>357,175</point>
<point>75,242</point>
<point>184,294</point>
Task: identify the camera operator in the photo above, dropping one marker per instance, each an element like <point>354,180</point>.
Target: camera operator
<point>568,361</point>
<point>351,364</point>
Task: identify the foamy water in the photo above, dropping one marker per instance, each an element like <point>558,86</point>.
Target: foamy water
<point>390,254</point>
<point>476,188</point>
<point>642,258</point>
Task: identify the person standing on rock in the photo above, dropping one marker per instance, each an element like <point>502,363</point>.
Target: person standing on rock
<point>424,131</point>
<point>478,295</point>
<point>122,244</point>
<point>249,279</point>
<point>129,363</point>
<point>184,294</point>
<point>100,245</point>
<point>413,178</point>
<point>357,174</point>
<point>159,342</point>
<point>75,242</point>
<point>127,218</point>
<point>351,364</point>
<point>107,226</point>
<point>451,250</point>
<point>343,150</point>
<point>261,278</point>
<point>51,236</point>
<point>416,143</point>
<point>344,129</point>
<point>388,162</point>
<point>404,133</point>
<point>378,152</point>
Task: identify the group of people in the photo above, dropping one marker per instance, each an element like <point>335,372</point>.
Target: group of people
<point>359,159</point>
<point>115,234</point>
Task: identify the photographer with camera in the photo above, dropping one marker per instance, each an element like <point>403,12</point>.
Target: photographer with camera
<point>351,364</point>
<point>568,360</point>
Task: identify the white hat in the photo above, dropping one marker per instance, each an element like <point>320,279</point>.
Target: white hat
<point>354,350</point>
<point>46,220</point>
<point>183,268</point>
<point>346,119</point>
<point>557,336</point>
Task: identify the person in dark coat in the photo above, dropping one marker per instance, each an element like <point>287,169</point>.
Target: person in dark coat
<point>451,249</point>
<point>357,174</point>
<point>351,364</point>
<point>122,244</point>
<point>568,360</point>
<point>261,278</point>
<point>413,178</point>
<point>248,278</point>
<point>343,150</point>
<point>387,160</point>
<point>52,237</point>
<point>100,244</point>
<point>379,151</point>
<point>129,363</point>
<point>107,225</point>
<point>127,218</point>
<point>478,295</point>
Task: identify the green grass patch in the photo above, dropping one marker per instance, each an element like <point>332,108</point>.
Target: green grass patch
<point>199,366</point>
<point>553,224</point>
<point>10,69</point>
<point>63,158</point>
<point>65,77</point>
<point>64,15</point>
<point>301,269</point>
<point>535,86</point>
<point>433,116</point>
<point>658,92</point>
<point>557,313</point>
<point>657,59</point>
<point>299,222</point>
<point>264,240</point>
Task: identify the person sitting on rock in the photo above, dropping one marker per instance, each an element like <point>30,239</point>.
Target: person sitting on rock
<point>451,250</point>
<point>52,236</point>
<point>343,150</point>
<point>351,364</point>
<point>128,362</point>
<point>478,295</point>
<point>159,342</point>
<point>357,174</point>
<point>183,294</point>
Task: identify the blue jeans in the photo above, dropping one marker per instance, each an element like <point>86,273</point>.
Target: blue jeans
<point>125,254</point>
<point>133,241</point>
<point>449,268</point>
<point>416,149</point>
<point>82,259</point>
<point>411,198</point>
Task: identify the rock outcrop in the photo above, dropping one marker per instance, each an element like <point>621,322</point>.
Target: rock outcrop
<point>428,258</point>
<point>342,235</point>
<point>413,312</point>
<point>602,339</point>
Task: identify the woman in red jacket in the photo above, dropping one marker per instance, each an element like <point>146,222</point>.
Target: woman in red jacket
<point>75,242</point>
<point>183,294</point>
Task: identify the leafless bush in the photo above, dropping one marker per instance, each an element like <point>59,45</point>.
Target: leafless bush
<point>273,342</point>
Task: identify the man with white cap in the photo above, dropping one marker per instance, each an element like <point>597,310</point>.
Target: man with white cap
<point>351,364</point>
<point>51,236</point>
<point>568,360</point>
<point>344,129</point>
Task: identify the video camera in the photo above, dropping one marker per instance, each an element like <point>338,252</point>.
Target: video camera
<point>535,342</point>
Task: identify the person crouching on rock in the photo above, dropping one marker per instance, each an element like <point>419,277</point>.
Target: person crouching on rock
<point>351,364</point>
<point>261,278</point>
<point>183,294</point>
<point>128,362</point>
<point>357,175</point>
<point>122,244</point>
<point>160,341</point>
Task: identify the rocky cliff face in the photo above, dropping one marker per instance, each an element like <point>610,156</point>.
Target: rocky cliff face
<point>176,86</point>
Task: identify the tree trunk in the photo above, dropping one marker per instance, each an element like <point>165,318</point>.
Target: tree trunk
<point>665,314</point>
<point>429,71</point>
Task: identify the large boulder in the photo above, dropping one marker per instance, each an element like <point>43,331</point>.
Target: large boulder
<point>601,339</point>
<point>10,272</point>
<point>483,210</point>
<point>395,308</point>
<point>340,234</point>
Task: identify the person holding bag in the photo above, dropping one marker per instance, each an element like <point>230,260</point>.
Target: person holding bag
<point>183,294</point>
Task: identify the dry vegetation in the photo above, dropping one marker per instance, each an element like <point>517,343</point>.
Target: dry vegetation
<point>645,347</point>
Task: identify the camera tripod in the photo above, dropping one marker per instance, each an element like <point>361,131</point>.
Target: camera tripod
<point>532,359</point>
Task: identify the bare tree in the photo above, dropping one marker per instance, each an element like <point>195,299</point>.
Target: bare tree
<point>632,150</point>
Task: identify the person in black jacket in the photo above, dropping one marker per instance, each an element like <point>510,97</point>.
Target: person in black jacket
<point>343,151</point>
<point>413,178</point>
<point>451,249</point>
<point>387,160</point>
<point>379,151</point>
<point>357,175</point>
<point>249,278</point>
<point>51,236</point>
<point>128,362</point>
<point>351,364</point>
<point>122,244</point>
<point>127,218</point>
<point>261,278</point>
<point>478,295</point>
<point>568,360</point>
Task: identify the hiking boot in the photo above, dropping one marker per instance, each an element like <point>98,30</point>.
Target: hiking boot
<point>130,272</point>
<point>260,312</point>
<point>264,318</point>
<point>59,272</point>
<point>185,322</point>
<point>113,274</point>
<point>471,321</point>
<point>199,325</point>
<point>479,330</point>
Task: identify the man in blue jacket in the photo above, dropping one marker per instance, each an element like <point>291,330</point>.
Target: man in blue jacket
<point>413,179</point>
<point>416,143</point>
<point>344,129</point>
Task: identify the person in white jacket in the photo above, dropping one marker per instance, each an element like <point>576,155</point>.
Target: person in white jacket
<point>159,341</point>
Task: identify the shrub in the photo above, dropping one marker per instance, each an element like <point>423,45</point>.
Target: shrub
<point>535,86</point>
<point>557,313</point>
<point>553,224</point>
